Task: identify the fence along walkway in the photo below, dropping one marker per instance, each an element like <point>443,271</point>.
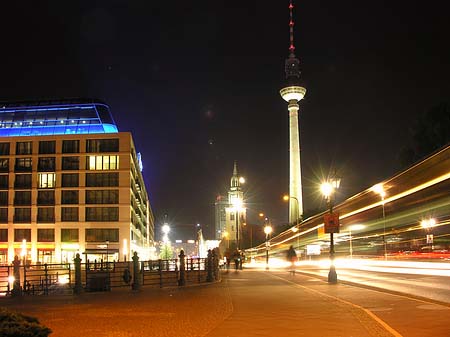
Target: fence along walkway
<point>67,278</point>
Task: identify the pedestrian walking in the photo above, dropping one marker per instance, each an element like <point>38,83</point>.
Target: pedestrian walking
<point>291,256</point>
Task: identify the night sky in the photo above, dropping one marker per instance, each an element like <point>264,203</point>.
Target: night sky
<point>197,83</point>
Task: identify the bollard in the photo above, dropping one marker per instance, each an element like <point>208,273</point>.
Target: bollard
<point>209,276</point>
<point>135,285</point>
<point>78,286</point>
<point>16,290</point>
<point>182,280</point>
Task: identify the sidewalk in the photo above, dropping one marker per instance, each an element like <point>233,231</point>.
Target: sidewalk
<point>245,303</point>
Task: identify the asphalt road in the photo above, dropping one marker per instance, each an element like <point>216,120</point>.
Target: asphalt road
<point>432,287</point>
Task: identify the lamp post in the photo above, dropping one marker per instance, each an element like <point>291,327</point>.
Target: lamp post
<point>267,230</point>
<point>226,235</point>
<point>297,218</point>
<point>107,251</point>
<point>428,224</point>
<point>354,228</point>
<point>328,188</point>
<point>379,189</point>
<point>237,206</point>
<point>24,251</point>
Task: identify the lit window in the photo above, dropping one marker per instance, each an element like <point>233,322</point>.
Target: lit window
<point>46,180</point>
<point>103,163</point>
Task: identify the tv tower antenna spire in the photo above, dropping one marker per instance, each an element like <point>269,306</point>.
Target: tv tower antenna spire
<point>291,29</point>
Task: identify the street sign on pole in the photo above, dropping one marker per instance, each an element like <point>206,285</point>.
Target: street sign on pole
<point>429,238</point>
<point>331,222</point>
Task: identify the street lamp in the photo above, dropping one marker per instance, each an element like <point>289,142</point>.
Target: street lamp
<point>379,189</point>
<point>226,235</point>
<point>297,218</point>
<point>267,230</point>
<point>107,251</point>
<point>165,229</point>
<point>237,207</point>
<point>328,188</point>
<point>350,229</point>
<point>428,225</point>
<point>24,250</point>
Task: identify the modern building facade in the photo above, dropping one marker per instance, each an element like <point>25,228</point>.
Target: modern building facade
<point>70,183</point>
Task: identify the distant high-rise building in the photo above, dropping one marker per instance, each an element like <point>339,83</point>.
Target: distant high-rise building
<point>70,183</point>
<point>220,216</point>
<point>293,93</point>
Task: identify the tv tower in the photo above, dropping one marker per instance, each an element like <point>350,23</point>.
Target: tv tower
<point>293,93</point>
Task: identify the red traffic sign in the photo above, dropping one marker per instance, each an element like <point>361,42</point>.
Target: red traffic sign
<point>331,222</point>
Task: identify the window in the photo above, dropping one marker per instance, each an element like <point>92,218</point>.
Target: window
<point>102,234</point>
<point>102,179</point>
<point>46,197</point>
<point>46,214</point>
<point>46,164</point>
<point>4,182</point>
<point>23,165</point>
<point>23,181</point>
<point>102,163</point>
<point>3,215</point>
<point>69,214</point>
<point>69,180</point>
<point>4,198</point>
<point>24,147</point>
<point>4,149</point>
<point>22,215</point>
<point>102,213</point>
<point>22,233</point>
<point>4,165</point>
<point>22,198</point>
<point>70,163</point>
<point>69,197</point>
<point>4,235</point>
<point>46,235</point>
<point>69,234</point>
<point>231,216</point>
<point>102,197</point>
<point>102,145</point>
<point>46,147</point>
<point>46,180</point>
<point>71,146</point>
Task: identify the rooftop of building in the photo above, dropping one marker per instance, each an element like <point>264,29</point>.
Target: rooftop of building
<point>55,117</point>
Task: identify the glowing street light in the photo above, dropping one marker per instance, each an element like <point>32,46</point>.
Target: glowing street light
<point>23,253</point>
<point>226,235</point>
<point>165,229</point>
<point>379,189</point>
<point>328,188</point>
<point>428,225</point>
<point>237,204</point>
<point>267,230</point>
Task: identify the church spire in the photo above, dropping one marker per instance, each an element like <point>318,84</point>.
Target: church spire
<point>235,183</point>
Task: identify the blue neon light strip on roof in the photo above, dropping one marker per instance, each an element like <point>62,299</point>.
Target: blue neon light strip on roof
<point>34,121</point>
